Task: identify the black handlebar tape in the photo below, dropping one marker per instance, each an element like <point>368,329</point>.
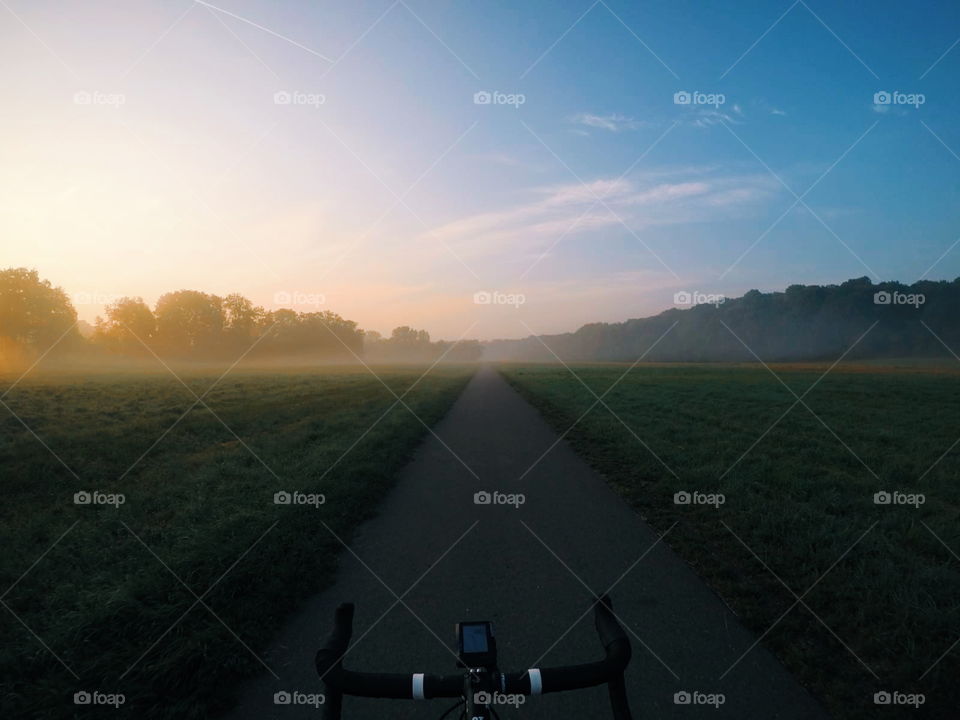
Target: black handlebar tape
<point>560,679</point>
<point>398,686</point>
<point>606,623</point>
<point>329,660</point>
<point>617,645</point>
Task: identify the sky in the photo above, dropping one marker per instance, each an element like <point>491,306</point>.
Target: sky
<point>477,169</point>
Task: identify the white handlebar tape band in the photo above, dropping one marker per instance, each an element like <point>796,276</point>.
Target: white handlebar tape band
<point>418,686</point>
<point>536,683</point>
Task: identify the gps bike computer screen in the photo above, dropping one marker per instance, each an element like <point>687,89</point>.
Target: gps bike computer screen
<point>474,638</point>
<point>477,646</point>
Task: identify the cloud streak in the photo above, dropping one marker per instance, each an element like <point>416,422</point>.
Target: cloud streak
<point>613,122</point>
<point>573,209</point>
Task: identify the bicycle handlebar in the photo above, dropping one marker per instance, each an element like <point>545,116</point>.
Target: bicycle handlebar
<point>420,686</point>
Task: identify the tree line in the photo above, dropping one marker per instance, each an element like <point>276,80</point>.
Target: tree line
<point>192,325</point>
<point>856,319</point>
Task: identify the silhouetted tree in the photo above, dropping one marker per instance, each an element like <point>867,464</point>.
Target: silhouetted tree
<point>33,316</point>
<point>189,322</point>
<point>240,319</point>
<point>128,326</point>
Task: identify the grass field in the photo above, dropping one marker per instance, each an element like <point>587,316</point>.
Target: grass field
<point>882,611</point>
<point>113,606</point>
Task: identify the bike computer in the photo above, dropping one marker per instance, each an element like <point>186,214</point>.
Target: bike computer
<point>476,645</point>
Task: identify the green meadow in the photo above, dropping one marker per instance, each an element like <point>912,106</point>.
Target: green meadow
<point>173,592</point>
<point>878,582</point>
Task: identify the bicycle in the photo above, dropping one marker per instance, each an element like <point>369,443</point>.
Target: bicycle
<point>481,685</point>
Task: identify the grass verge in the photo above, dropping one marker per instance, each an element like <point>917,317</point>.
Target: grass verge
<point>113,605</point>
<point>879,582</point>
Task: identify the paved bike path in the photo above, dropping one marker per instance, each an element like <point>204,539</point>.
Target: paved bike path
<point>525,569</point>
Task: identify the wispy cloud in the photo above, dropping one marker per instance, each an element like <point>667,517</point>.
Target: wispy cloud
<point>613,122</point>
<point>572,210</point>
<point>709,118</point>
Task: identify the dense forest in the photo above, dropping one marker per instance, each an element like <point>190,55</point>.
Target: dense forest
<point>39,320</point>
<point>806,322</point>
<point>857,319</point>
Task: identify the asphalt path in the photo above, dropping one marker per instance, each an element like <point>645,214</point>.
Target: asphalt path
<point>530,569</point>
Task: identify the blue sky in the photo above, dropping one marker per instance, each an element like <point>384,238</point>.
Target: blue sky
<point>398,197</point>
